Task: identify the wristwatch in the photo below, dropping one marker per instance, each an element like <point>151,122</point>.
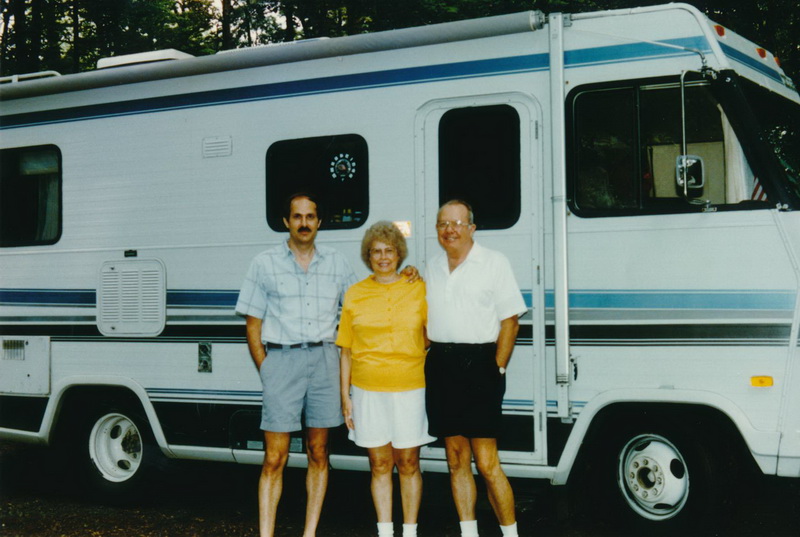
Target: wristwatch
<point>502,370</point>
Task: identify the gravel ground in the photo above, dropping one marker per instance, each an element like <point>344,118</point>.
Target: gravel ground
<point>216,499</point>
<point>209,500</point>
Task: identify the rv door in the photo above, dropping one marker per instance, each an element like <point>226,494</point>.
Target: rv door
<point>486,151</point>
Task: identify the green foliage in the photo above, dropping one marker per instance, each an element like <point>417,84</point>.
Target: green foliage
<point>70,35</point>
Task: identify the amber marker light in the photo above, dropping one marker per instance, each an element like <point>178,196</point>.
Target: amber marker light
<point>761,381</point>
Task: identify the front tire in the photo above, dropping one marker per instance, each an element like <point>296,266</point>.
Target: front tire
<point>653,478</point>
<point>657,472</point>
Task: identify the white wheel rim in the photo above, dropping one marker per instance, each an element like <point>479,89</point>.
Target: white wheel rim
<point>115,446</point>
<point>653,477</point>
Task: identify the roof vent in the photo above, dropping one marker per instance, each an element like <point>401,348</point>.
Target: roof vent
<point>142,57</point>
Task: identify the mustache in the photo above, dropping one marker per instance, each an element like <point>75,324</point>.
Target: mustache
<point>304,229</point>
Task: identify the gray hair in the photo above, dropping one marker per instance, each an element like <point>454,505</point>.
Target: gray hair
<point>386,232</point>
<point>457,201</point>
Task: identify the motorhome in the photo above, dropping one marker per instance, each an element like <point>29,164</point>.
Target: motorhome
<point>639,167</point>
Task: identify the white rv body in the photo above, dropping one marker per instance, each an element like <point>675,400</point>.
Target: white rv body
<point>164,198</point>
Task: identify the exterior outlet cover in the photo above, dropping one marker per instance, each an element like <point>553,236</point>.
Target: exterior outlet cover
<point>131,298</point>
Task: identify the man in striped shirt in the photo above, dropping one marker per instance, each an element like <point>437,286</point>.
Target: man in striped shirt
<point>290,300</point>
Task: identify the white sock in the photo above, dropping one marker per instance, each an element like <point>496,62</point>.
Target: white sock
<point>469,528</point>
<point>509,531</point>
<point>385,529</point>
<point>409,530</point>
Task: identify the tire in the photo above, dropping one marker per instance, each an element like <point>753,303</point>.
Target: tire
<point>116,454</point>
<point>661,477</point>
<point>653,477</point>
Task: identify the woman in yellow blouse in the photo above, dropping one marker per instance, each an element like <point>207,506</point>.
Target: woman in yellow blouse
<point>382,337</point>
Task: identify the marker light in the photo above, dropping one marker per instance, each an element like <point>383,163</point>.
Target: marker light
<point>761,52</point>
<point>761,381</point>
<point>720,30</point>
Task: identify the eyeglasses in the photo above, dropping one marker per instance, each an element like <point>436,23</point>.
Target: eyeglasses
<point>388,252</point>
<point>444,224</point>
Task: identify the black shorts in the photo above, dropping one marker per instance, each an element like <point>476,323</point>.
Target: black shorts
<point>464,390</point>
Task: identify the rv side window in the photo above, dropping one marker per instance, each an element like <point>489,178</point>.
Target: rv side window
<point>335,169</point>
<point>30,196</point>
<point>479,162</point>
<point>625,142</point>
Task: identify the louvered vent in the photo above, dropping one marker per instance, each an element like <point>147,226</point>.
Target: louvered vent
<point>217,146</point>
<point>13,349</point>
<point>131,300</point>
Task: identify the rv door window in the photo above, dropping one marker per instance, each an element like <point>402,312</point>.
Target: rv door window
<point>479,162</point>
<point>625,142</point>
<point>333,168</point>
<point>30,196</point>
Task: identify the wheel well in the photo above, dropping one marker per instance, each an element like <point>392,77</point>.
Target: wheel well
<point>78,400</point>
<point>707,419</point>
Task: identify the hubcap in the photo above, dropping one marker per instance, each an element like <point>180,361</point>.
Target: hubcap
<point>653,477</point>
<point>115,447</point>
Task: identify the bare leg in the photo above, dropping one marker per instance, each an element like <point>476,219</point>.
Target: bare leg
<point>462,482</point>
<point>407,461</point>
<point>270,484</point>
<point>381,464</point>
<point>316,478</point>
<point>497,486</point>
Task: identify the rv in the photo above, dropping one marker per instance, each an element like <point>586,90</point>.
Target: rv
<point>640,168</point>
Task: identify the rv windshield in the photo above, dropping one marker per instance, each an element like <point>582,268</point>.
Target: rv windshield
<point>779,119</point>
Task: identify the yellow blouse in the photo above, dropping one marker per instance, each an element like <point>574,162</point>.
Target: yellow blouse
<point>382,325</point>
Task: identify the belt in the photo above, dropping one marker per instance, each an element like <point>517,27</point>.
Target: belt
<point>295,346</point>
<point>463,347</point>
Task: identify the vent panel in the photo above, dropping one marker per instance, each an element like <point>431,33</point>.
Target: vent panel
<point>131,300</point>
<point>217,146</point>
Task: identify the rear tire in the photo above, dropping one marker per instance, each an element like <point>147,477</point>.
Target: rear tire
<point>116,454</point>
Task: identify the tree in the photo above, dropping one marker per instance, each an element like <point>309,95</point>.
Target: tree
<point>70,35</point>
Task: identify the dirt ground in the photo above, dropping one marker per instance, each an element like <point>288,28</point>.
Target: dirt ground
<point>204,500</point>
<point>201,499</point>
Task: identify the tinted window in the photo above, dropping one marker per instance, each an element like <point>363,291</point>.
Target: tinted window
<point>625,144</point>
<point>335,169</point>
<point>779,120</point>
<point>479,162</point>
<point>30,196</point>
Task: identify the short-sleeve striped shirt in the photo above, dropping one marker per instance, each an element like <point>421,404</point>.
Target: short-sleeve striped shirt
<point>296,306</point>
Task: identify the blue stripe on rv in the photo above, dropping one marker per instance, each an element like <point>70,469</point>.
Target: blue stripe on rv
<point>679,300</point>
<point>752,63</point>
<point>88,297</point>
<point>353,82</point>
<point>581,299</point>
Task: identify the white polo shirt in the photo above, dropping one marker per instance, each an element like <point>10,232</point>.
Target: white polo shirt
<point>467,305</point>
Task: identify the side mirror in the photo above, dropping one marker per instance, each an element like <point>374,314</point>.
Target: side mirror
<point>689,175</point>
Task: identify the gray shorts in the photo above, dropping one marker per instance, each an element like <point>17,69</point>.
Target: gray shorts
<point>297,382</point>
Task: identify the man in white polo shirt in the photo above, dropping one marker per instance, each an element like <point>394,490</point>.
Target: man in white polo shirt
<point>473,307</point>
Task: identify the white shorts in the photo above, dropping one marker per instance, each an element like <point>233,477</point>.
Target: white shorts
<point>384,417</point>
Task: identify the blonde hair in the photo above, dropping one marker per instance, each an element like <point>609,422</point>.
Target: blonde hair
<point>386,232</point>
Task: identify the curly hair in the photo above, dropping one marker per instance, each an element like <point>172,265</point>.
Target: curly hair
<point>386,232</point>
